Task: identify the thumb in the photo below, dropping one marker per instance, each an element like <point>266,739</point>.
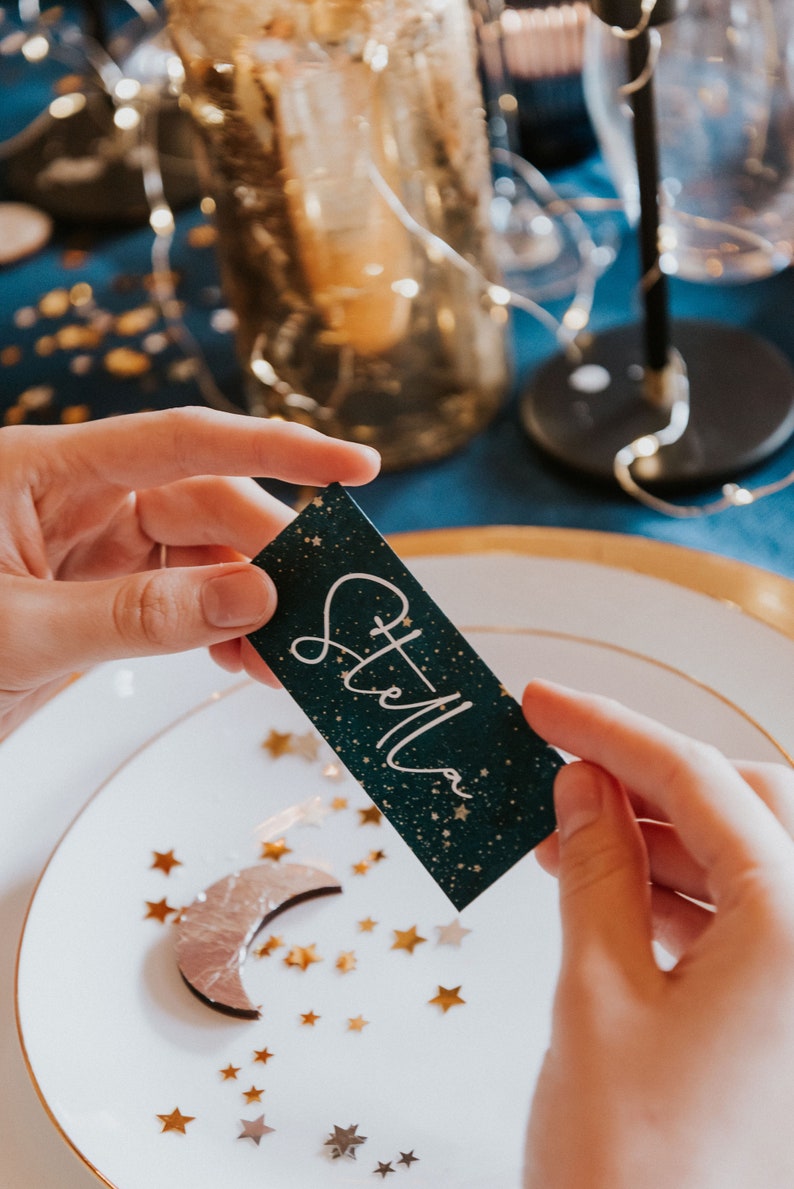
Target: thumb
<point>61,626</point>
<point>603,870</point>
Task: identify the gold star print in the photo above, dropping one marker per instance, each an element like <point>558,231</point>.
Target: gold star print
<point>176,1121</point>
<point>461,813</point>
<point>367,925</point>
<point>164,861</point>
<point>317,541</point>
<point>407,939</point>
<point>346,962</point>
<point>230,1072</point>
<point>370,816</point>
<point>263,1055</point>
<point>158,911</point>
<point>253,1095</point>
<point>309,1018</point>
<point>266,948</point>
<point>446,998</point>
<point>361,868</point>
<point>356,1024</point>
<point>303,956</point>
<point>278,743</point>
<point>275,850</point>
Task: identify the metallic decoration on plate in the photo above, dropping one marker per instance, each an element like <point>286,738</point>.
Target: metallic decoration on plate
<point>217,928</point>
<point>165,861</point>
<point>407,939</point>
<point>446,998</point>
<point>175,1121</point>
<point>451,934</point>
<point>254,1129</point>
<point>343,1141</point>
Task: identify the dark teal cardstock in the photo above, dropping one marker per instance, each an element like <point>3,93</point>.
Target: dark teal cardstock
<point>402,698</point>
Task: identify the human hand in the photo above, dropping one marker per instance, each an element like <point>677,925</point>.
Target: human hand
<point>84,511</point>
<point>680,1078</point>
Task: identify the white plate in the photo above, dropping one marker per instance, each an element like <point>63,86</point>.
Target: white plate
<point>112,1036</point>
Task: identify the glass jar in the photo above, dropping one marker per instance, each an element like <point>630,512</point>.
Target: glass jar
<point>346,153</point>
<point>724,88</point>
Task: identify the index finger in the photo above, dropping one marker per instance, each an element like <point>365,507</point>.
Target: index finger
<point>725,827</point>
<point>150,449</point>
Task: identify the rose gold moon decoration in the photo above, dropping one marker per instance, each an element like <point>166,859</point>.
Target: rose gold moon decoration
<point>215,931</point>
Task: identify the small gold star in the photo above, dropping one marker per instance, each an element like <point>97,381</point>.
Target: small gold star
<point>278,743</point>
<point>367,925</point>
<point>158,911</point>
<point>356,1024</point>
<point>309,1018</point>
<point>263,1055</point>
<point>461,813</point>
<point>164,861</point>
<point>446,998</point>
<point>346,961</point>
<point>230,1072</point>
<point>266,948</point>
<point>176,1121</point>
<point>383,1169</point>
<point>317,541</point>
<point>339,803</point>
<point>303,956</point>
<point>451,934</point>
<point>370,816</point>
<point>407,1158</point>
<point>361,868</point>
<point>253,1095</point>
<point>407,939</point>
<point>275,850</point>
<point>254,1129</point>
<point>377,856</point>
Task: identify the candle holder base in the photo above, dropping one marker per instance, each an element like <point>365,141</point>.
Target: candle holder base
<point>742,406</point>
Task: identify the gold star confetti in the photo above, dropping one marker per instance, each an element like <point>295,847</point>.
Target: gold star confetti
<point>383,1169</point>
<point>158,910</point>
<point>407,1158</point>
<point>407,939</point>
<point>446,998</point>
<point>303,956</point>
<point>230,1072</point>
<point>343,1141</point>
<point>275,850</point>
<point>254,1129</point>
<point>361,868</point>
<point>461,813</point>
<point>339,803</point>
<point>278,743</point>
<point>307,746</point>
<point>371,816</point>
<point>356,1023</point>
<point>165,861</point>
<point>451,934</point>
<point>377,856</point>
<point>346,961</point>
<point>309,1018</point>
<point>176,1121</point>
<point>266,948</point>
<point>367,925</point>
<point>253,1095</point>
<point>263,1055</point>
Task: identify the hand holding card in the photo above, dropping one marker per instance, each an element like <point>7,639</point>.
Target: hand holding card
<point>410,708</point>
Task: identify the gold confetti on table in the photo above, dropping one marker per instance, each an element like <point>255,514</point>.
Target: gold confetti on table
<point>273,942</point>
<point>371,816</point>
<point>278,743</point>
<point>407,1158</point>
<point>230,1072</point>
<point>263,1055</point>
<point>367,925</point>
<point>343,1141</point>
<point>175,1121</point>
<point>254,1129</point>
<point>302,956</point>
<point>309,1018</point>
<point>451,934</point>
<point>165,861</point>
<point>253,1095</point>
<point>383,1169</point>
<point>158,910</point>
<point>446,998</point>
<point>356,1023</point>
<point>346,961</point>
<point>407,939</point>
<point>275,850</point>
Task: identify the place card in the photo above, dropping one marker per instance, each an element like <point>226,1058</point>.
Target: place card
<point>402,698</point>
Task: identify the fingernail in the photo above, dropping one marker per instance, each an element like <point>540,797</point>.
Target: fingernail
<point>244,598</point>
<point>578,798</point>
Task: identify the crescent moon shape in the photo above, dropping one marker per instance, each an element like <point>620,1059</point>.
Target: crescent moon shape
<point>215,931</point>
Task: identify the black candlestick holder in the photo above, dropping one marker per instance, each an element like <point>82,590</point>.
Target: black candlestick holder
<point>628,385</point>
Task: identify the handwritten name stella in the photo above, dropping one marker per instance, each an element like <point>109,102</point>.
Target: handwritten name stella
<point>401,734</point>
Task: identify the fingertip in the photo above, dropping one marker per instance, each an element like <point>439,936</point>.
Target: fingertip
<point>256,667</point>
